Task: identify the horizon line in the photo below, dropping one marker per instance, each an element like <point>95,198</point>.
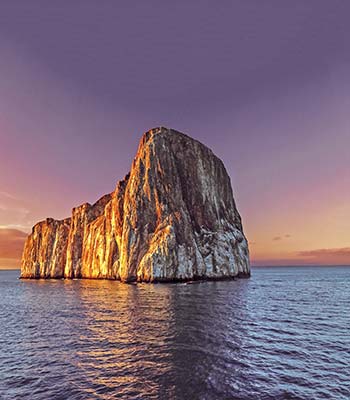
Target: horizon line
<point>255,266</point>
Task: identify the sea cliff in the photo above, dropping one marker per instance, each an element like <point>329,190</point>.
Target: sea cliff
<point>172,218</point>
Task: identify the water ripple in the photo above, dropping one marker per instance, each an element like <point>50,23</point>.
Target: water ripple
<point>283,334</point>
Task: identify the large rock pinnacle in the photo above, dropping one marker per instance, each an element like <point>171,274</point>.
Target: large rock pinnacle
<point>172,218</point>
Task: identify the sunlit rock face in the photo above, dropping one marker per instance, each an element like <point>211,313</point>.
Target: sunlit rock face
<point>81,219</point>
<point>45,249</point>
<point>172,218</point>
<point>102,239</point>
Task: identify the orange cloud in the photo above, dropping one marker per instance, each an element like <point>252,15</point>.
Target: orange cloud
<point>278,238</point>
<point>342,254</point>
<point>11,247</point>
<point>326,256</point>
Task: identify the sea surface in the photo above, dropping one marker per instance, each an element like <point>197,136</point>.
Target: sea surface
<point>283,334</point>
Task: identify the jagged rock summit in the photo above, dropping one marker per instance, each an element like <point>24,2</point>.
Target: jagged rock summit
<point>172,218</point>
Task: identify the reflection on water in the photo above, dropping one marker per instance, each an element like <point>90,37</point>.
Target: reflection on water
<point>282,334</point>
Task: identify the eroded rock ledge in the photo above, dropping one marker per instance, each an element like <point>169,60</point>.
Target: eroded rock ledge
<point>172,218</point>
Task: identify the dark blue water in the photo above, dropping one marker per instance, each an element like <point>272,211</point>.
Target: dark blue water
<point>283,334</point>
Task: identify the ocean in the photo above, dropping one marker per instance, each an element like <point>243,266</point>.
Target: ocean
<point>282,334</point>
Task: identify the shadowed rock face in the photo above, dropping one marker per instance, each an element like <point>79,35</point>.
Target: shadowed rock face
<point>172,218</point>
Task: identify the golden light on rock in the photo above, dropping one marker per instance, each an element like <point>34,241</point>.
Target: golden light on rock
<point>173,217</point>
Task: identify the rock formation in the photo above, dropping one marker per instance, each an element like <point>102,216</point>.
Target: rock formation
<point>173,217</point>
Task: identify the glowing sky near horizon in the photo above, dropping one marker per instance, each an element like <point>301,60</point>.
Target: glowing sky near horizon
<point>266,85</point>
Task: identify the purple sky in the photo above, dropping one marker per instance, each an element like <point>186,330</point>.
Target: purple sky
<point>265,84</point>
